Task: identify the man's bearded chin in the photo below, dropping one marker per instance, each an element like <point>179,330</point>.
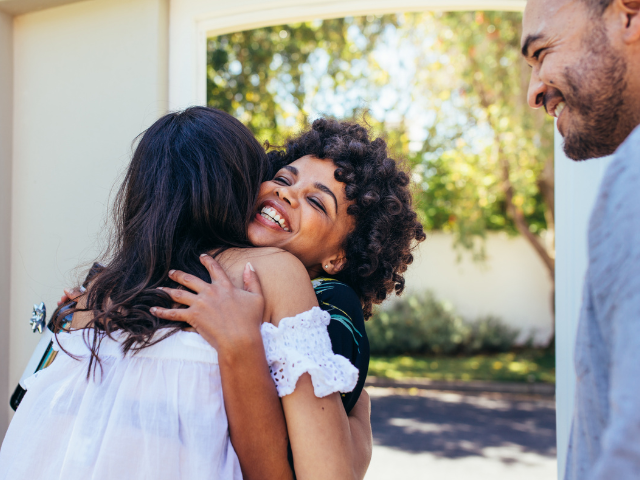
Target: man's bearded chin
<point>598,120</point>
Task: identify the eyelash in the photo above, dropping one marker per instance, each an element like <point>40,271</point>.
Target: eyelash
<point>537,53</point>
<point>313,201</point>
<point>282,180</point>
<point>317,204</point>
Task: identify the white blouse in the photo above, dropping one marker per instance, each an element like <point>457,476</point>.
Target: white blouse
<point>156,414</point>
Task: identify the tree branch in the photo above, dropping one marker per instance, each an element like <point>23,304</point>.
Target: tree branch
<point>545,184</point>
<point>521,224</point>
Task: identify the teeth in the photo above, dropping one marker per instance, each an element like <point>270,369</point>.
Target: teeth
<point>559,109</point>
<point>271,214</point>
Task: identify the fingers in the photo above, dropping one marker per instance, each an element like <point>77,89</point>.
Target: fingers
<point>251,280</point>
<point>190,281</point>
<point>176,314</point>
<point>215,270</point>
<point>72,294</point>
<point>180,296</point>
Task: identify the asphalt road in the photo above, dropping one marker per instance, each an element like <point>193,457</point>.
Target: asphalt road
<point>422,434</point>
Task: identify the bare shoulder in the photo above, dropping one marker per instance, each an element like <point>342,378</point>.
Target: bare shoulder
<point>279,264</point>
<point>285,282</point>
<point>270,262</point>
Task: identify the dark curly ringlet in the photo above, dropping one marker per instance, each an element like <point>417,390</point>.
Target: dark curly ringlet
<point>386,231</point>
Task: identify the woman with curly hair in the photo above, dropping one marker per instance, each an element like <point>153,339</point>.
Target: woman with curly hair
<point>377,251</point>
<point>340,205</point>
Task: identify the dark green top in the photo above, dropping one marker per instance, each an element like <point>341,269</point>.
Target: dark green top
<point>346,329</point>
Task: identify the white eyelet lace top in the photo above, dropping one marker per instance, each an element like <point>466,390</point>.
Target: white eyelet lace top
<point>301,344</point>
<point>158,414</point>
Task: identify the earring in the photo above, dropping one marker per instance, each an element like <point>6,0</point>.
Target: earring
<point>326,266</point>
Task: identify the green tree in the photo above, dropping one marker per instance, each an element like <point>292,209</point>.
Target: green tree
<point>259,75</point>
<point>520,159</point>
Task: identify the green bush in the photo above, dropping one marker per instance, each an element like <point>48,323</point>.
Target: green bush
<point>489,334</point>
<point>421,324</point>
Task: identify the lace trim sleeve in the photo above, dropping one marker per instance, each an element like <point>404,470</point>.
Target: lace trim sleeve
<point>301,344</point>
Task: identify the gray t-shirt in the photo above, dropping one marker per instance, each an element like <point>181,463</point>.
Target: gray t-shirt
<point>605,435</point>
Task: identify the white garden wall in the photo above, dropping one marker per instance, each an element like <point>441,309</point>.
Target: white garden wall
<point>512,283</point>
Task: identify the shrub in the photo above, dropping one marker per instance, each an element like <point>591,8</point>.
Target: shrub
<point>421,324</point>
<point>489,334</point>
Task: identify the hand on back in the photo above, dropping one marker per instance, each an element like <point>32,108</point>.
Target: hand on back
<point>229,317</point>
<point>224,315</point>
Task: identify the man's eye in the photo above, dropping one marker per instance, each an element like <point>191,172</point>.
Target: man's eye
<point>537,53</point>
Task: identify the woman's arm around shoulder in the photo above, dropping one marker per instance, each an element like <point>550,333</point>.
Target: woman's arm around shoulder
<point>285,283</point>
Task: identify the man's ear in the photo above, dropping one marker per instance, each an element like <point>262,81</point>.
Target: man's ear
<point>334,264</point>
<point>630,9</point>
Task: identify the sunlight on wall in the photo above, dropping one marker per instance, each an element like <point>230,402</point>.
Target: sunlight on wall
<point>105,65</point>
<point>6,122</point>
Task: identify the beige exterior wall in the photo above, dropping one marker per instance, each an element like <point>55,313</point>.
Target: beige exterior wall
<point>18,7</point>
<point>512,283</point>
<point>6,111</point>
<point>88,78</point>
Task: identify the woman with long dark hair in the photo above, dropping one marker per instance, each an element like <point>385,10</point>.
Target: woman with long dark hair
<point>132,395</point>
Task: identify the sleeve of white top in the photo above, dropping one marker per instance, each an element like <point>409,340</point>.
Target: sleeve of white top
<point>301,344</point>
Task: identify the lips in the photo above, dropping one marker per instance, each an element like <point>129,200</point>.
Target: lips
<point>554,102</point>
<point>557,109</point>
<point>272,214</point>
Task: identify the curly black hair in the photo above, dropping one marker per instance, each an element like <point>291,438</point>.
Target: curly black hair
<point>386,231</point>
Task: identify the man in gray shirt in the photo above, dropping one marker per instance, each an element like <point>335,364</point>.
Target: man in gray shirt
<point>585,59</point>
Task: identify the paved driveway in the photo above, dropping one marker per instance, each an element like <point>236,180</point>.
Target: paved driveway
<point>434,435</point>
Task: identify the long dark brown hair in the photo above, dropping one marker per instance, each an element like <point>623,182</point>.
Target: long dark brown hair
<point>190,188</point>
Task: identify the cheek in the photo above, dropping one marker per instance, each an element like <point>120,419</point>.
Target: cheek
<point>266,189</point>
<point>550,74</point>
<point>252,233</point>
<point>313,237</point>
<point>315,226</point>
<point>258,236</point>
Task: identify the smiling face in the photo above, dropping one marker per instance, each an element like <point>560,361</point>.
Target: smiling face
<point>580,74</point>
<point>303,210</point>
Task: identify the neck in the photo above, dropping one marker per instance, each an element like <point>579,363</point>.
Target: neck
<point>632,99</point>
<point>315,271</point>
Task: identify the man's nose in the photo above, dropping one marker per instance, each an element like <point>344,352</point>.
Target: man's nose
<point>537,89</point>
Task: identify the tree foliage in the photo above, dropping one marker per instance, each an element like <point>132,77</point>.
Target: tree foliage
<point>262,76</point>
<point>447,90</point>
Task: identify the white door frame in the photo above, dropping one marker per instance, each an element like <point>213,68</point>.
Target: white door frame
<point>192,21</point>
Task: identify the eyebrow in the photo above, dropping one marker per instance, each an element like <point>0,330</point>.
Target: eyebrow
<point>328,191</point>
<point>527,43</point>
<point>318,185</point>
